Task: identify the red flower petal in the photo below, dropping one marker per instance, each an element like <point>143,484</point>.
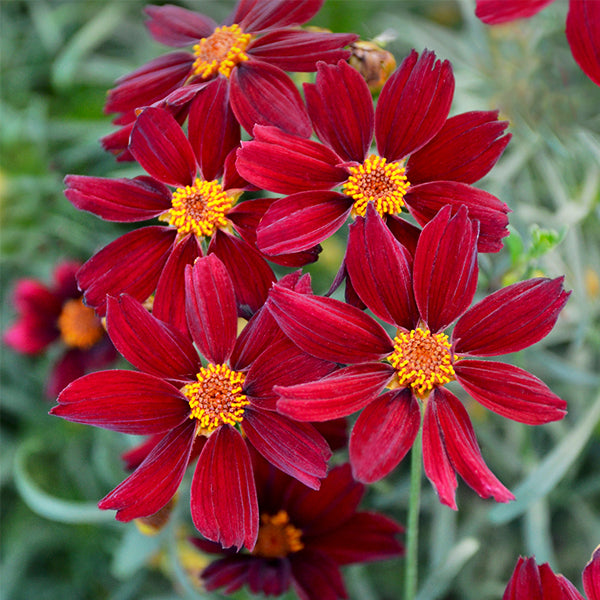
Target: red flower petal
<point>317,577</point>
<point>465,149</point>
<point>337,395</point>
<point>122,200</point>
<point>406,233</point>
<point>149,344</point>
<point>285,163</point>
<point>162,149</point>
<point>253,16</point>
<point>413,104</point>
<point>510,391</point>
<point>510,319</point>
<point>300,221</point>
<point>445,268</point>
<point>175,26</point>
<point>210,308</point>
<point>223,497</point>
<point>229,573</point>
<point>69,367</point>
<point>341,109</point>
<point>263,94</point>
<point>583,34</point>
<point>124,401</point>
<point>381,270</point>
<point>525,581</point>
<point>295,448</point>
<point>383,433</point>
<point>156,480</point>
<point>494,12</point>
<point>591,576</point>
<point>327,328</point>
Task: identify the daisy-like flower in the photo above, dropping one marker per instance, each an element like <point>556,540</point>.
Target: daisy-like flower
<point>304,537</point>
<point>424,160</point>
<point>420,298</point>
<point>201,404</point>
<point>200,215</point>
<point>583,26</point>
<point>248,54</point>
<point>57,314</point>
<point>532,582</point>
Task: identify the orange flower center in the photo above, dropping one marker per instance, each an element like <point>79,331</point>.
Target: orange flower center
<point>216,398</point>
<point>199,209</point>
<point>422,360</point>
<point>377,181</point>
<point>277,537</point>
<point>79,325</point>
<point>221,51</point>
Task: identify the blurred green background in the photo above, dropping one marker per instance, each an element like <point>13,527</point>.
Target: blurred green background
<point>58,58</point>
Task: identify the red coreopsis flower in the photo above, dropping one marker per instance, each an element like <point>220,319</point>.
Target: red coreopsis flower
<point>583,26</point>
<point>532,582</point>
<point>248,54</point>
<point>197,403</point>
<point>424,161</point>
<point>421,298</point>
<point>56,313</point>
<point>304,537</point>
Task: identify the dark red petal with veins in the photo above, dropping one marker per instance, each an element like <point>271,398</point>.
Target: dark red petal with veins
<point>328,328</point>
<point>285,164</point>
<point>510,391</point>
<point>147,343</point>
<point>494,12</point>
<point>383,433</point>
<point>122,200</point>
<point>223,497</point>
<point>524,582</point>
<point>510,319</point>
<point>131,264</point>
<point>156,480</point>
<point>591,576</point>
<point>445,268</point>
<point>340,106</point>
<point>160,146</point>
<point>337,395</point>
<point>583,34</point>
<point>295,448</point>
<point>265,95</point>
<point>316,576</point>
<point>413,105</point>
<point>176,26</point>
<point>300,221</point>
<point>465,149</point>
<point>210,308</point>
<point>255,16</point>
<point>124,401</point>
<point>381,270</point>
<point>406,233</point>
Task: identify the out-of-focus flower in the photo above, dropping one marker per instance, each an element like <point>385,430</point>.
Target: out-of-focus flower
<point>373,62</point>
<point>304,537</point>
<point>201,406</point>
<point>421,298</point>
<point>583,26</point>
<point>56,313</point>
<point>247,54</point>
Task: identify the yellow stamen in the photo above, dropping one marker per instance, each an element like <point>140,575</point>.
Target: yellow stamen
<point>422,360</point>
<point>277,537</point>
<point>216,398</point>
<point>377,181</point>
<point>221,51</point>
<point>79,325</point>
<point>199,209</point>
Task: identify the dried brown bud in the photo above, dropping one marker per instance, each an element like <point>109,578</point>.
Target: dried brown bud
<point>373,62</point>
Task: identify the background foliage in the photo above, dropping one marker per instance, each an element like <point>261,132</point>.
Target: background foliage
<point>59,58</point>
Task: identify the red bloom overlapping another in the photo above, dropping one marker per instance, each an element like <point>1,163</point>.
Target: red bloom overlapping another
<point>421,298</point>
<point>197,403</point>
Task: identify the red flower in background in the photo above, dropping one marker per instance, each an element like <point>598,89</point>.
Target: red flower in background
<point>304,537</point>
<point>56,313</point>
<point>583,26</point>
<point>421,298</point>
<point>198,405</point>
<point>248,54</point>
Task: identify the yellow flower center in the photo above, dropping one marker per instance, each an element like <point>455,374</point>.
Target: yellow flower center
<point>79,325</point>
<point>199,209</point>
<point>216,398</point>
<point>221,51</point>
<point>422,360</point>
<point>377,181</point>
<point>277,537</point>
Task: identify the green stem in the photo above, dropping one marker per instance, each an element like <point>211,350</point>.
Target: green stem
<point>412,531</point>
